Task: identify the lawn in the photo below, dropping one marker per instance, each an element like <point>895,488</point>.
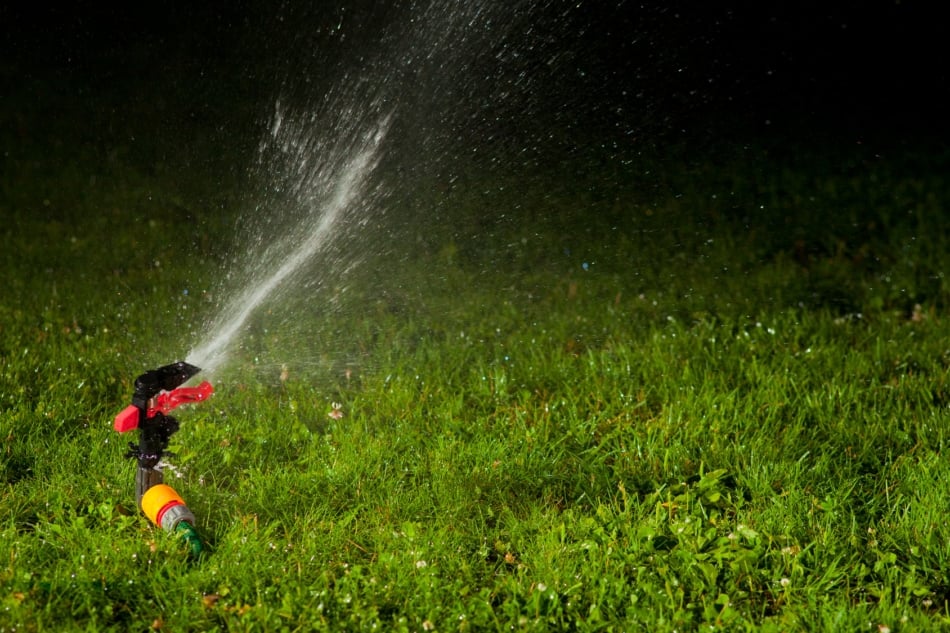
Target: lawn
<point>677,392</point>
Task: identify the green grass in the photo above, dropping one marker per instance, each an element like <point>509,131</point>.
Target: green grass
<point>733,419</point>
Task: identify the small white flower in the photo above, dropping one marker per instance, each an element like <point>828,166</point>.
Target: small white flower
<point>420,564</point>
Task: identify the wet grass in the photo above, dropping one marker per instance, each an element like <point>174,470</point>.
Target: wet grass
<point>716,402</point>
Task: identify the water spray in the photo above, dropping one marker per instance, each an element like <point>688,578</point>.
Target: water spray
<point>157,392</point>
<point>330,190</point>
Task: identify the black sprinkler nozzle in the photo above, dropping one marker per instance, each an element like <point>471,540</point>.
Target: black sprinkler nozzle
<point>166,378</point>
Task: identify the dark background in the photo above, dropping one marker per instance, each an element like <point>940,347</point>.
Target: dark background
<point>862,65</point>
<point>186,84</point>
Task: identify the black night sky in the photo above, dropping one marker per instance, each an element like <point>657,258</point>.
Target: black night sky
<point>627,71</point>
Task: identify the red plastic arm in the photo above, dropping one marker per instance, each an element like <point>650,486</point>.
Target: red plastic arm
<point>127,420</point>
<point>168,400</point>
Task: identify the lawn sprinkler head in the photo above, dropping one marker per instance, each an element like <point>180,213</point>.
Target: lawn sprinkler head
<point>167,378</point>
<point>157,392</point>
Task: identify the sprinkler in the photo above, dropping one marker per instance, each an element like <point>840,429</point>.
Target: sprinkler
<point>157,392</point>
